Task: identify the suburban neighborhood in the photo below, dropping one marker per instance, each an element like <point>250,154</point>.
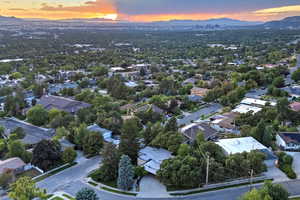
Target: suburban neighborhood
<point>140,111</point>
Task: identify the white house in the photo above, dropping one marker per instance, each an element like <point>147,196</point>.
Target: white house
<point>243,144</point>
<point>151,158</point>
<point>288,141</point>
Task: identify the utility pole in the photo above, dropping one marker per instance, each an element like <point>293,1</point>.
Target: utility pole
<point>207,169</point>
<point>251,178</point>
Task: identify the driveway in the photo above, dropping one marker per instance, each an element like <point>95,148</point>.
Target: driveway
<point>208,110</point>
<point>151,187</point>
<point>274,172</point>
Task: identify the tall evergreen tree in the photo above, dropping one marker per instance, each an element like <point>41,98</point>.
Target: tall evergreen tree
<point>126,173</point>
<point>129,143</point>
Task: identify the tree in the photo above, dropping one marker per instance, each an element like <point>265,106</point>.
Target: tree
<point>278,82</point>
<point>53,113</point>
<point>79,135</point>
<point>25,189</point>
<point>276,191</point>
<point>171,170</point>
<point>269,191</point>
<point>110,161</point>
<point>296,75</point>
<point>86,194</point>
<point>168,140</point>
<point>268,136</point>
<point>92,143</point>
<point>69,155</point>
<point>171,125</point>
<point>47,154</point>
<point>17,149</point>
<point>259,131</point>
<point>129,144</point>
<point>151,131</point>
<point>6,178</point>
<point>37,115</point>
<point>126,173</point>
<point>255,195</point>
<point>184,150</point>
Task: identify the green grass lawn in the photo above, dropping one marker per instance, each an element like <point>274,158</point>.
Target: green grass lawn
<point>298,198</point>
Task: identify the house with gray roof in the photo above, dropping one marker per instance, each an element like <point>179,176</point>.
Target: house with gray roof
<point>33,134</point>
<point>61,103</point>
<point>151,158</point>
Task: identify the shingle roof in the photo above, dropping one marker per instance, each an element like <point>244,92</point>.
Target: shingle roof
<point>61,103</point>
<point>33,134</point>
<point>290,137</point>
<point>191,131</point>
<point>11,163</point>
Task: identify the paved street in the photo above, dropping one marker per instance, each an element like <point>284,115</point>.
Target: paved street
<point>77,172</point>
<point>210,109</point>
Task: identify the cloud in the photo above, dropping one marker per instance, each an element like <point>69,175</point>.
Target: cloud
<point>98,6</point>
<point>278,10</point>
<point>17,9</point>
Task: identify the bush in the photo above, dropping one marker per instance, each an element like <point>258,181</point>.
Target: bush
<point>287,169</point>
<point>86,194</point>
<point>285,165</point>
<point>69,155</point>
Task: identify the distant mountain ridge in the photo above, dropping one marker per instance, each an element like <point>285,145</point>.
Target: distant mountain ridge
<point>286,23</point>
<point>3,18</point>
<point>215,21</point>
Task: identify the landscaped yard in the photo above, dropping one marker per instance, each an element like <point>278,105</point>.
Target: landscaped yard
<point>30,173</point>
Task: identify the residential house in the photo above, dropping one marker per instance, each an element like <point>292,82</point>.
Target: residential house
<point>192,130</point>
<point>12,164</point>
<point>225,123</point>
<point>201,92</point>
<point>242,109</point>
<point>33,134</point>
<point>244,144</point>
<point>151,158</point>
<point>61,103</point>
<point>147,107</point>
<point>288,140</point>
<point>107,134</point>
<point>56,88</point>
<point>295,106</point>
<point>293,91</point>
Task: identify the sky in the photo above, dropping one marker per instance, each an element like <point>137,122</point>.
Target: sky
<point>151,10</point>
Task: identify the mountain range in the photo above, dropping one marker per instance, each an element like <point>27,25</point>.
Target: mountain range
<point>286,23</point>
<point>289,22</point>
<point>218,21</point>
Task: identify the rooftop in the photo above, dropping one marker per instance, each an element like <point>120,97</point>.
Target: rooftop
<point>34,134</point>
<point>61,103</point>
<point>242,108</point>
<point>290,137</point>
<point>11,163</point>
<point>153,158</point>
<point>240,145</point>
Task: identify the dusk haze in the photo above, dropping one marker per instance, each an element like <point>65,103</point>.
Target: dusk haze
<point>151,10</point>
